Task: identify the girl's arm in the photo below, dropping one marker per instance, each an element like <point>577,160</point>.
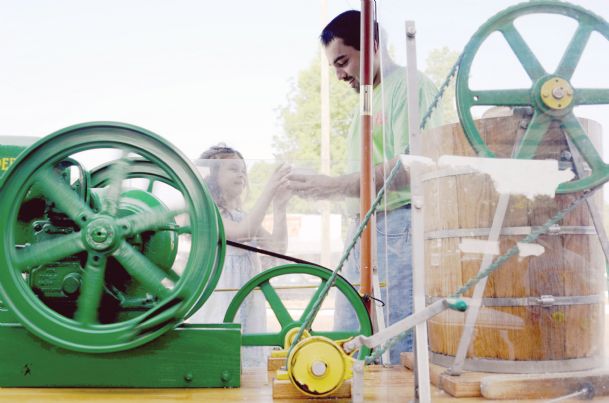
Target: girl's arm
<point>250,226</point>
<point>277,241</point>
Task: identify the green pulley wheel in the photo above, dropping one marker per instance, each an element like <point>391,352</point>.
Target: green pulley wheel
<point>285,319</point>
<point>140,169</point>
<point>552,95</point>
<point>93,236</point>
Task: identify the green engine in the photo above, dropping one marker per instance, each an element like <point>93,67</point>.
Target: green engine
<point>107,260</point>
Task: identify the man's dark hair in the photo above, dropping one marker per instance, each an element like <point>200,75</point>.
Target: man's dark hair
<point>347,27</point>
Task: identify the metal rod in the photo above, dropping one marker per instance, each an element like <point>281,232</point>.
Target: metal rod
<point>397,328</point>
<point>421,367</point>
<point>472,313</point>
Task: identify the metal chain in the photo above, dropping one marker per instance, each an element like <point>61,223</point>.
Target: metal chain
<point>332,280</point>
<point>532,237</point>
<point>306,326</point>
<point>436,101</point>
<point>424,121</point>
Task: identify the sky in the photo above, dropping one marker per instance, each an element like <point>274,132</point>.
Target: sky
<point>201,72</point>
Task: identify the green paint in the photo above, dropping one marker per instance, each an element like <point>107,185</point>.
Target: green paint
<point>263,281</point>
<point>191,356</point>
<point>503,23</point>
<point>142,239</point>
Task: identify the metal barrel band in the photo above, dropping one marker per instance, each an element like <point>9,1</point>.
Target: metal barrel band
<point>520,366</point>
<point>533,236</point>
<point>473,232</point>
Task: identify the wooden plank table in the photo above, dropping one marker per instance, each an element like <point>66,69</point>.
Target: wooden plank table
<point>382,384</point>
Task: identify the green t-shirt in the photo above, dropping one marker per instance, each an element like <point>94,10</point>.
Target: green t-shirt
<point>394,122</point>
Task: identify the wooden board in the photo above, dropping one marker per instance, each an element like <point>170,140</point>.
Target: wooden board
<point>285,390</point>
<point>545,386</point>
<point>381,384</point>
<point>465,385</point>
<point>275,363</point>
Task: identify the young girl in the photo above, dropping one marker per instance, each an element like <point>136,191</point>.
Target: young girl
<point>227,181</point>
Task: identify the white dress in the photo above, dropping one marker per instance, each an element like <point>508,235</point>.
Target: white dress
<point>239,267</point>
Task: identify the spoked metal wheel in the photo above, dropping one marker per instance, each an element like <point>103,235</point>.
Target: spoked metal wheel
<point>263,282</point>
<point>552,96</point>
<point>148,176</point>
<point>55,225</point>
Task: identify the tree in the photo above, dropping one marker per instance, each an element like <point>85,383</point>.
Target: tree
<point>300,119</point>
<point>439,63</point>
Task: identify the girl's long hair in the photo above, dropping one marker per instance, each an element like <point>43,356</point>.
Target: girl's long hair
<point>211,158</point>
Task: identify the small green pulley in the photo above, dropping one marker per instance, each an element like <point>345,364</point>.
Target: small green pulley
<point>552,96</point>
<point>285,319</point>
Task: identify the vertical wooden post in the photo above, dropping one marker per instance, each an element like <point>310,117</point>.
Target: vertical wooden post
<point>367,187</point>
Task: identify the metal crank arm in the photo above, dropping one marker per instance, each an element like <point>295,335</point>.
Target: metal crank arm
<point>405,324</point>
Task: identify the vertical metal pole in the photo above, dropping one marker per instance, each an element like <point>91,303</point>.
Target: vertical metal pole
<point>325,146</point>
<point>366,177</point>
<point>421,367</point>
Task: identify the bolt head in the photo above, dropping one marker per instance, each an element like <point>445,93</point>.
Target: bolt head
<point>318,368</point>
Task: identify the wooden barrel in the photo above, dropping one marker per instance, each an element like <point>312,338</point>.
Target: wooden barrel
<point>539,313</point>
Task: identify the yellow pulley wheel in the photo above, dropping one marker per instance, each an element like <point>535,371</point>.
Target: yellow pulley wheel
<point>317,366</point>
<point>291,334</point>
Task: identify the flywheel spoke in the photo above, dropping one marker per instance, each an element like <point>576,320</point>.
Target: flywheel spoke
<point>576,132</point>
<point>142,269</point>
<point>48,251</point>
<point>515,97</point>
<point>574,51</point>
<point>313,300</point>
<point>155,219</point>
<point>538,127</point>
<point>56,189</point>
<point>524,54</point>
<point>591,96</point>
<point>117,174</point>
<point>280,311</point>
<point>91,290</point>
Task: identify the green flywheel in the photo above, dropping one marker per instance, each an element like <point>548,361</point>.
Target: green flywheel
<point>153,174</point>
<point>97,230</point>
<point>286,321</point>
<point>552,95</point>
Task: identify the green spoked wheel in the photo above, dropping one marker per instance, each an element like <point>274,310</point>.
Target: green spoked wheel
<point>263,282</point>
<point>552,95</point>
<point>148,176</point>
<point>101,235</point>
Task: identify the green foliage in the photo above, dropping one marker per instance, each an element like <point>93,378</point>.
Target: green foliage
<point>299,142</point>
<point>439,62</point>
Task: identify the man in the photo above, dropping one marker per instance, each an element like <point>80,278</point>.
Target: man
<point>341,40</point>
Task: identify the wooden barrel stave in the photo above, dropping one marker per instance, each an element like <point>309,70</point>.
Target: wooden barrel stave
<point>569,266</point>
